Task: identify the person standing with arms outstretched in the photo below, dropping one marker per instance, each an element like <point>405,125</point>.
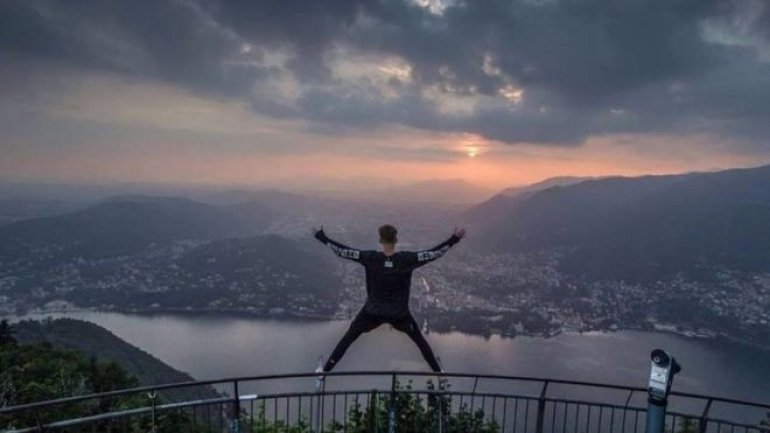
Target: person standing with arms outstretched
<point>388,280</point>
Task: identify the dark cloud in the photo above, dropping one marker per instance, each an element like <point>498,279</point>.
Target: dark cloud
<point>164,39</point>
<point>586,67</point>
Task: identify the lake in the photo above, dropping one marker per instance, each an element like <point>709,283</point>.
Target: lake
<point>215,346</point>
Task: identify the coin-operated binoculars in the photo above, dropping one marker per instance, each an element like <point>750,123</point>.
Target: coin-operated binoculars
<point>662,370</point>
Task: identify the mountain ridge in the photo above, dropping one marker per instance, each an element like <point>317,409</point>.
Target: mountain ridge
<point>95,341</point>
<point>632,223</point>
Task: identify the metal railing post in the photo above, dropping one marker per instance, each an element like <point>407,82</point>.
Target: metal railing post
<point>373,411</point>
<point>704,417</point>
<point>392,411</point>
<point>625,409</point>
<point>439,388</point>
<point>473,392</point>
<point>541,409</point>
<point>152,396</point>
<point>235,424</point>
<point>38,422</point>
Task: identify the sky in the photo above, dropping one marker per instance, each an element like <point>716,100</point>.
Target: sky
<point>368,93</point>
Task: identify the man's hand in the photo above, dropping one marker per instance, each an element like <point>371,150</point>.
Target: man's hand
<point>459,232</point>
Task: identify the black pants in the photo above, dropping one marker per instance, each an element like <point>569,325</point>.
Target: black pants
<point>365,322</point>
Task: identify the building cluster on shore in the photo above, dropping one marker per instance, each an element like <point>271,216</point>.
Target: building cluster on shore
<point>506,294</point>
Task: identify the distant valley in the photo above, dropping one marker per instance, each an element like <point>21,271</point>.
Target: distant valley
<point>682,253</point>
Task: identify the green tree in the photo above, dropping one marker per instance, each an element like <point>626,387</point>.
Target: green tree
<point>6,333</point>
<point>258,423</point>
<point>414,414</point>
<point>39,372</point>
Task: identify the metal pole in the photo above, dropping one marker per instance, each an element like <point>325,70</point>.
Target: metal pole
<point>439,388</point>
<point>541,409</point>
<point>656,415</point>
<point>373,411</point>
<point>704,417</point>
<point>152,395</point>
<point>320,406</point>
<point>235,423</point>
<point>38,422</point>
<point>392,411</point>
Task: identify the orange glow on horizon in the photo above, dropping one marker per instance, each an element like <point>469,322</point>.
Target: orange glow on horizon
<point>369,159</point>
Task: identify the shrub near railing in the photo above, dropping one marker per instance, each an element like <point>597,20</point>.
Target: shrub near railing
<point>411,412</point>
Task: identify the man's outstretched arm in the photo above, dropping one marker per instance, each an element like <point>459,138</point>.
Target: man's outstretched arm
<point>339,249</point>
<point>429,255</point>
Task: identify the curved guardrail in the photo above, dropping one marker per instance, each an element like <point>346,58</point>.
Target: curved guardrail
<point>385,401</point>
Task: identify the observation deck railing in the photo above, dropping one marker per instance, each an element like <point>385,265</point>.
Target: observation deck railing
<point>377,401</point>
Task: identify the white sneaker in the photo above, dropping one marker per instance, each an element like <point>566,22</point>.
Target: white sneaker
<point>321,378</point>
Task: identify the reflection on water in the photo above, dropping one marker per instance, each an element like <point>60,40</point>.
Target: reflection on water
<point>214,346</point>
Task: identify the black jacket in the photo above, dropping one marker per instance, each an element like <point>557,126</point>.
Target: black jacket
<point>388,278</point>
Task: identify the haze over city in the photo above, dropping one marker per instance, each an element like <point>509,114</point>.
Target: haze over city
<point>345,94</point>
